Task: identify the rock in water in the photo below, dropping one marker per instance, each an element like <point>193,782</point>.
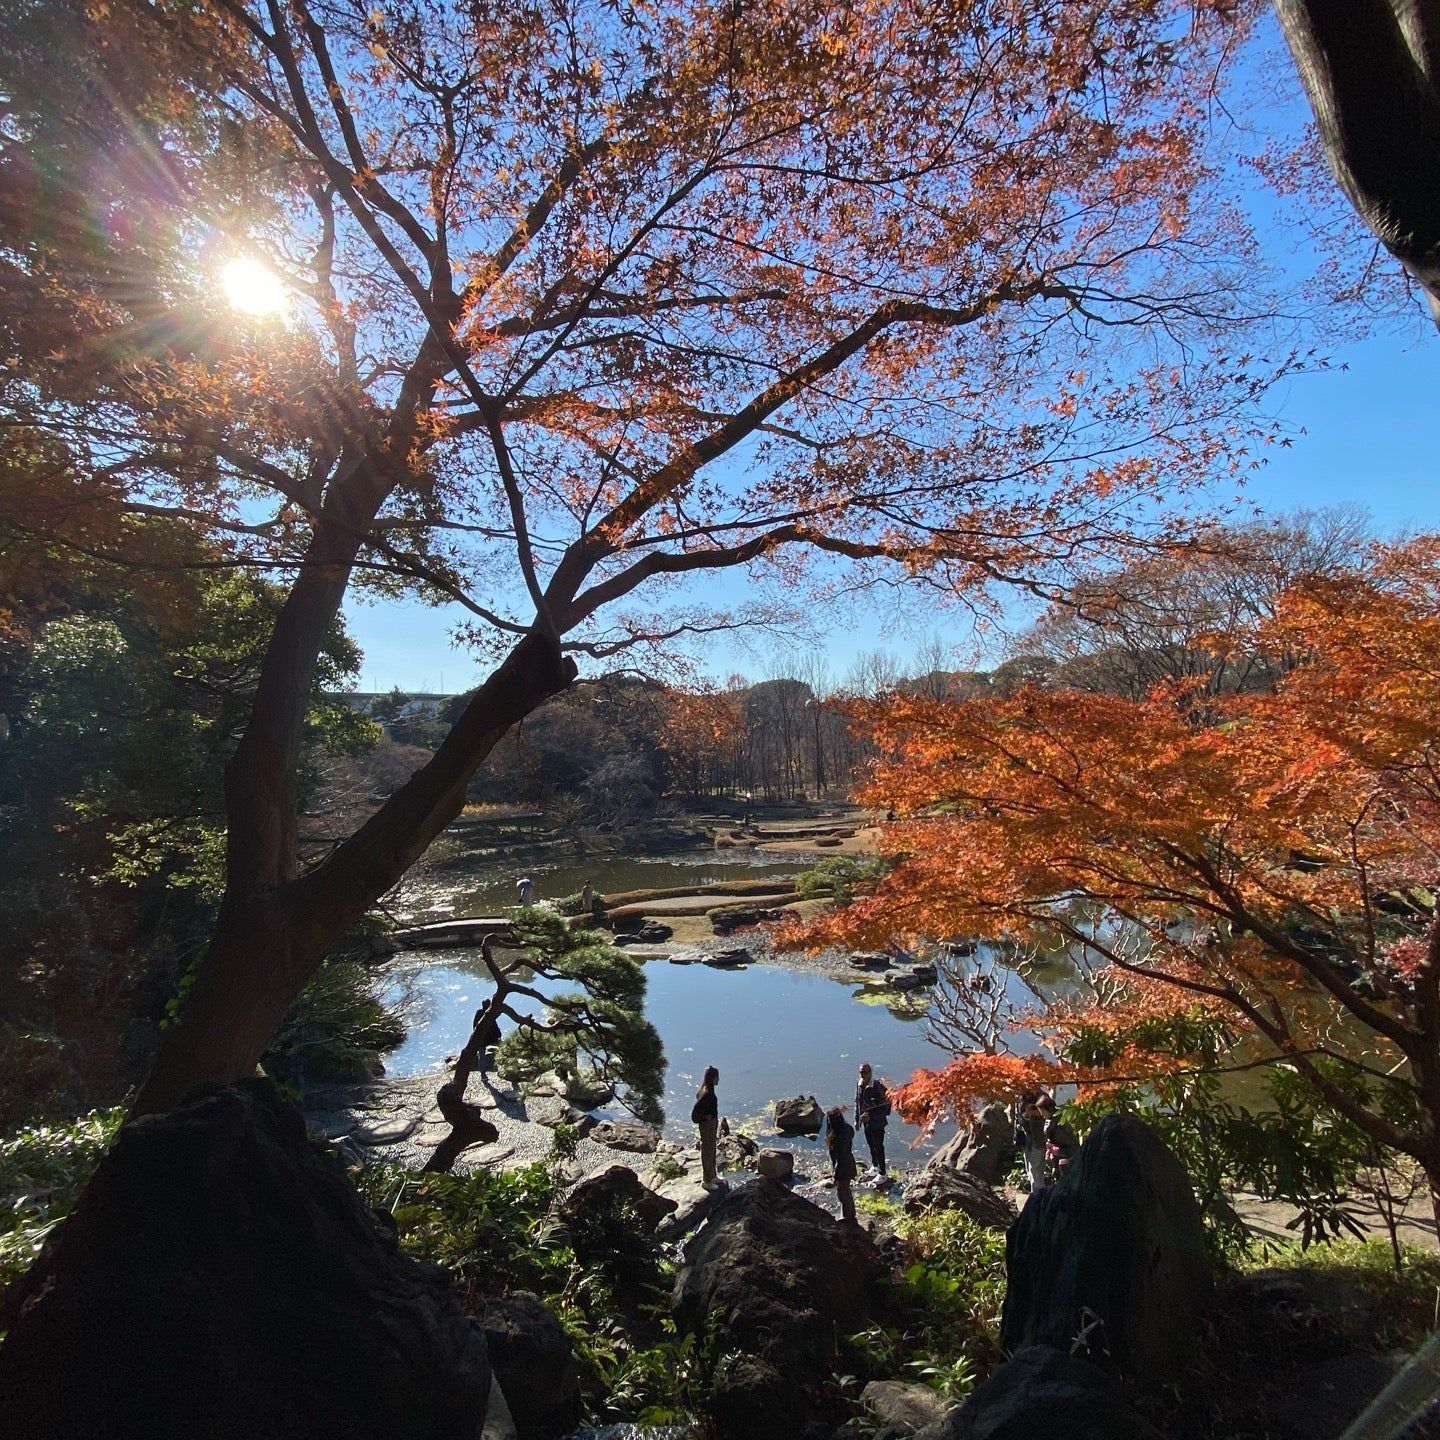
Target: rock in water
<point>800,1116</point>
<point>786,1283</point>
<point>220,1277</point>
<point>938,1187</point>
<point>1116,1246</point>
<point>1044,1394</point>
<point>535,1365</point>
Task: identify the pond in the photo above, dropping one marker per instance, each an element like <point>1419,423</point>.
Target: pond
<point>773,1032</point>
<point>488,886</point>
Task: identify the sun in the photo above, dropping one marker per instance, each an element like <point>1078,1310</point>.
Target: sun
<point>253,287</point>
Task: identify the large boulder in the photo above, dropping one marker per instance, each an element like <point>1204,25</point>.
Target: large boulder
<point>1039,1394</point>
<point>221,1277</point>
<point>938,1187</point>
<point>534,1362</point>
<point>775,1164</point>
<point>786,1282</point>
<point>733,1152</point>
<point>616,1188</point>
<point>1115,1251</point>
<point>751,1399</point>
<point>626,1135</point>
<point>901,1408</point>
<point>800,1116</point>
<point>986,1150</point>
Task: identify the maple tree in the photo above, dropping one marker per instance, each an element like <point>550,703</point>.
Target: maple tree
<point>585,299</point>
<point>1267,860</point>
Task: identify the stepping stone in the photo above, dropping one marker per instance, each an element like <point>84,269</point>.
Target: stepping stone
<point>387,1134</point>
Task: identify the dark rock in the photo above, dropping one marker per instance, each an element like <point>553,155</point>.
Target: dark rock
<point>987,1150</point>
<point>1114,1250</point>
<point>626,1135</point>
<point>775,1164</point>
<point>900,1408</point>
<point>800,1116</point>
<point>925,973</point>
<point>693,1204</point>
<point>552,1110</point>
<point>869,960</point>
<point>614,1188</point>
<point>725,959</point>
<point>787,1280</point>
<point>723,922</point>
<point>220,1277</point>
<point>652,932</point>
<point>938,1187</point>
<point>1040,1394</point>
<point>753,1400</point>
<point>535,1364</point>
<point>959,949</point>
<point>734,1151</point>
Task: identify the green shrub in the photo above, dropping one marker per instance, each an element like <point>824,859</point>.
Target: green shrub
<point>948,1302</point>
<point>42,1172</point>
<point>337,1028</point>
<point>839,876</point>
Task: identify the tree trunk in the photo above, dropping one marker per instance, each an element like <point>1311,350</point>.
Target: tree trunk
<point>1371,70</point>
<point>269,942</point>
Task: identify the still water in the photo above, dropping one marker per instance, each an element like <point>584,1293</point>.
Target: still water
<point>773,1032</point>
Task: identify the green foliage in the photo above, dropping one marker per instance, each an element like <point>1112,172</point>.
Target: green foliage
<point>839,876</point>
<point>1296,1151</point>
<point>604,1278</point>
<point>574,905</point>
<point>599,1029</point>
<point>42,1171</point>
<point>337,1028</point>
<point>949,1301</point>
<point>124,701</point>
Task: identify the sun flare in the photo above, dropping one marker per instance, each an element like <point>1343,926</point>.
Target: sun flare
<point>253,287</point>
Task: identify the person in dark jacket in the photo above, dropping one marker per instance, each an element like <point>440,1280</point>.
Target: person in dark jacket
<point>1061,1141</point>
<point>1030,1137</point>
<point>872,1112</point>
<point>706,1115</point>
<point>840,1145</point>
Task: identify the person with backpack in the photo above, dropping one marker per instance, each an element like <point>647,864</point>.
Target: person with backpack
<point>840,1146</point>
<point>706,1116</point>
<point>872,1113</point>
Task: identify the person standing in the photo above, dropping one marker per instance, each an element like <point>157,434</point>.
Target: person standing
<point>706,1116</point>
<point>840,1145</point>
<point>526,886</point>
<point>872,1113</point>
<point>1030,1136</point>
<point>1061,1141</point>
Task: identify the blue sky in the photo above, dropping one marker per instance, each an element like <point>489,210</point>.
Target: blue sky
<point>1365,432</point>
